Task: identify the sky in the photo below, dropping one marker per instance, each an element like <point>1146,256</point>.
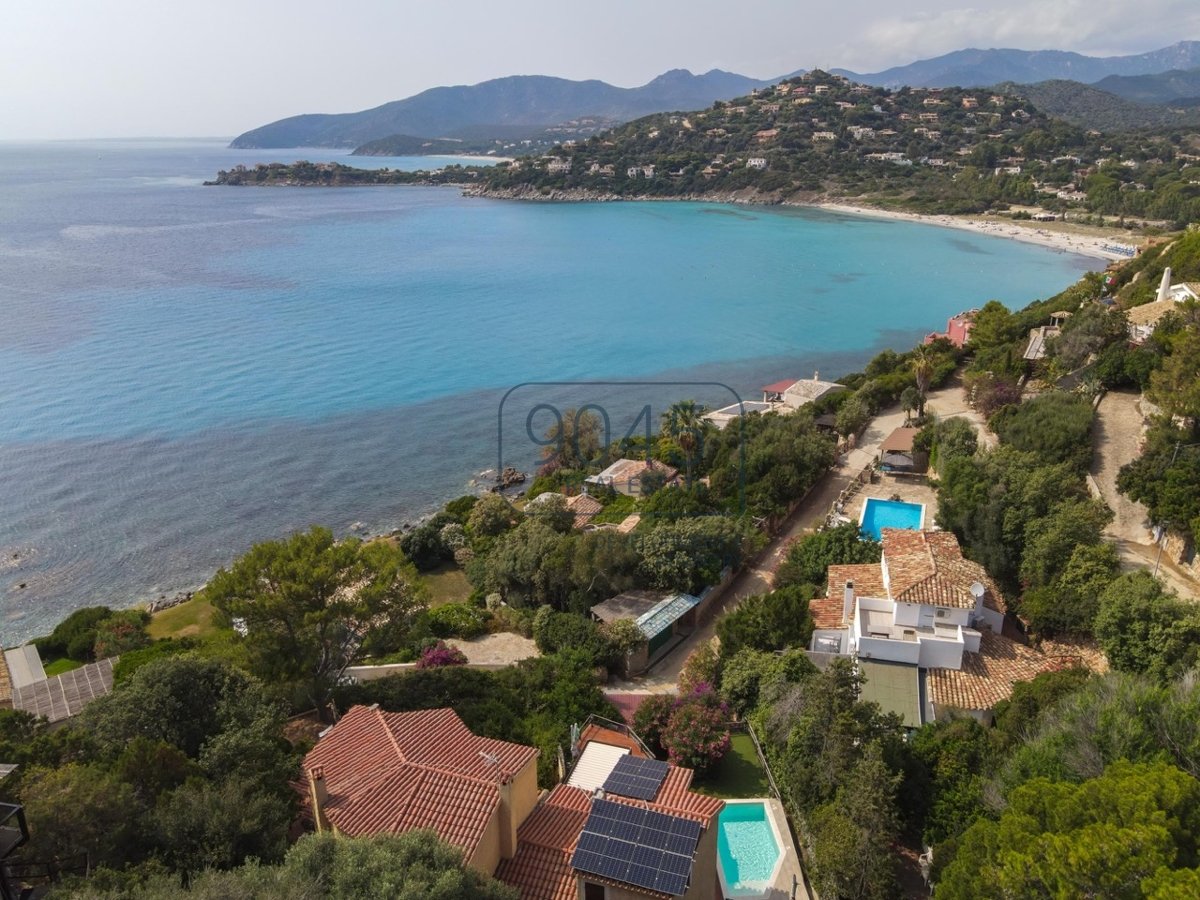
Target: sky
<point>125,68</point>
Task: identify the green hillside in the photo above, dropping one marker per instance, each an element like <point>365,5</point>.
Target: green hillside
<point>822,137</point>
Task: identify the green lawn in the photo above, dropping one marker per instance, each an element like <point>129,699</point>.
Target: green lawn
<point>738,776</point>
<point>447,584</point>
<point>59,666</point>
<point>193,618</point>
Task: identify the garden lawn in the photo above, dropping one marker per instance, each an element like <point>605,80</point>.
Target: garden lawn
<point>447,584</point>
<point>738,776</point>
<point>193,618</point>
<point>59,666</point>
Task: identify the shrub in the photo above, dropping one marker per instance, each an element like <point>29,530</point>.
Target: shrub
<point>75,636</point>
<point>425,548</point>
<point>650,720</point>
<point>121,632</point>
<point>133,660</point>
<point>773,621</point>
<point>697,732</point>
<point>808,559</point>
<point>441,655</point>
<point>554,631</point>
<point>701,668</point>
<point>460,620</point>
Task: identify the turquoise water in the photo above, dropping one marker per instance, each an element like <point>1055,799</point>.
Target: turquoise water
<point>187,370</point>
<point>879,514</point>
<point>746,848</point>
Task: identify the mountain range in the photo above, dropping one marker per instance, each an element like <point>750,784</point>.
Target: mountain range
<point>506,106</point>
<point>981,68</point>
<point>525,107</point>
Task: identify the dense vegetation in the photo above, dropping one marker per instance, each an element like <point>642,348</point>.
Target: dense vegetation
<point>933,150</point>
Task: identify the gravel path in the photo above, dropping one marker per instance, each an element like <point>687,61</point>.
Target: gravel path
<point>1118,434</point>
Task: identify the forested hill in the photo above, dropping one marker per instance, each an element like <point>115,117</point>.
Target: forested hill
<point>1089,106</point>
<point>822,136</point>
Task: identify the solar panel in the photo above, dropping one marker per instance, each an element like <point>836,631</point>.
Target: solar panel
<point>637,846</point>
<point>635,777</point>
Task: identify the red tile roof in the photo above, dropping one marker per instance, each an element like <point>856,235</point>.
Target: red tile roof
<point>868,582</point>
<point>987,677</point>
<point>585,507</point>
<point>612,737</point>
<point>928,567</point>
<point>393,772</point>
<point>779,387</point>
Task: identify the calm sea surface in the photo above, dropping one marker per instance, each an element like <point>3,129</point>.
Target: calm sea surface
<point>185,370</point>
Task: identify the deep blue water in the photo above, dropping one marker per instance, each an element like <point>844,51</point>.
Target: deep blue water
<point>185,370</point>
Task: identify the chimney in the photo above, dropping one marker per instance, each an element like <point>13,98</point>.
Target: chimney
<point>816,375</point>
<point>319,795</point>
<point>1164,286</point>
<point>847,602</point>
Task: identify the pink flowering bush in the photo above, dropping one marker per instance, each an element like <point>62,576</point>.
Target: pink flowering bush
<point>440,655</point>
<point>696,735</point>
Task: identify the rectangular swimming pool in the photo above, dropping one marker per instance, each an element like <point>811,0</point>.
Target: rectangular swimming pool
<point>879,514</point>
<point>748,849</point>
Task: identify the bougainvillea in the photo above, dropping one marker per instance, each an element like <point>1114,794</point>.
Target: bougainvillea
<point>439,655</point>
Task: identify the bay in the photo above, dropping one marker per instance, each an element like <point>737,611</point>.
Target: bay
<point>185,370</point>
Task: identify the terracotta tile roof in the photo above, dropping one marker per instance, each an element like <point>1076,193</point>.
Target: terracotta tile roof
<point>868,582</point>
<point>779,386</point>
<point>6,691</point>
<point>1150,313</point>
<point>612,737</point>
<point>393,772</point>
<point>987,677</point>
<point>585,507</point>
<point>899,441</point>
<point>541,868</point>
<point>928,567</point>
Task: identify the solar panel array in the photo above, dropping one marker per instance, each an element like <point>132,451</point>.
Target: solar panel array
<point>636,777</point>
<point>637,846</point>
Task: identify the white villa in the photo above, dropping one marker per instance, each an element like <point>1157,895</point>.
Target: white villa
<point>794,394</point>
<point>1144,319</point>
<point>925,623</point>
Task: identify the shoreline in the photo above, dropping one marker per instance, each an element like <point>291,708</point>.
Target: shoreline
<point>1072,239</point>
<point>1078,243</point>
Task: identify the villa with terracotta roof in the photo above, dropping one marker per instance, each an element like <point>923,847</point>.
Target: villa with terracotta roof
<point>793,393</point>
<point>625,475</point>
<point>382,772</point>
<point>566,846</point>
<point>934,612</point>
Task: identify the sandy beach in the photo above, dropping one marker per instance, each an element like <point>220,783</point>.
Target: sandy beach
<point>1056,235</point>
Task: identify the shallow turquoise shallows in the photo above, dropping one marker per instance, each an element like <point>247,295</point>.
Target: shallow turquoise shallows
<point>747,849</point>
<point>879,514</point>
<point>187,370</point>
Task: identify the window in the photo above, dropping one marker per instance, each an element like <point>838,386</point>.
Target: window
<point>593,891</point>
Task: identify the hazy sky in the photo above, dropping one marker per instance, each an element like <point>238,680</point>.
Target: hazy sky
<point>111,68</point>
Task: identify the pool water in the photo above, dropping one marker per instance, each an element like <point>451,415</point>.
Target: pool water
<point>747,849</point>
<point>879,514</point>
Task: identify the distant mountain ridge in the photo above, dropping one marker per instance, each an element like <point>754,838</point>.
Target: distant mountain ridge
<point>1087,106</point>
<point>1178,86</point>
<point>504,105</point>
<point>980,68</point>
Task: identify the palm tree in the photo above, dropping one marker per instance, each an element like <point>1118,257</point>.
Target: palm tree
<point>922,361</point>
<point>683,422</point>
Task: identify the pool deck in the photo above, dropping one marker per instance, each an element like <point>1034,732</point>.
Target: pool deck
<point>790,871</point>
<point>889,486</point>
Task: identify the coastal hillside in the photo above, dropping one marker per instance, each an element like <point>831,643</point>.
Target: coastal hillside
<point>974,67</point>
<point>820,136</point>
<point>512,107</point>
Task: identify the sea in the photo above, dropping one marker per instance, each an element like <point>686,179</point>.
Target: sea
<point>187,370</point>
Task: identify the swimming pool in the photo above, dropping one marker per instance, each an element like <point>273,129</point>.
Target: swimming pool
<point>879,514</point>
<point>748,849</point>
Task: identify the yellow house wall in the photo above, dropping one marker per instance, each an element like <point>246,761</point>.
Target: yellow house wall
<point>487,854</point>
<point>517,801</point>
